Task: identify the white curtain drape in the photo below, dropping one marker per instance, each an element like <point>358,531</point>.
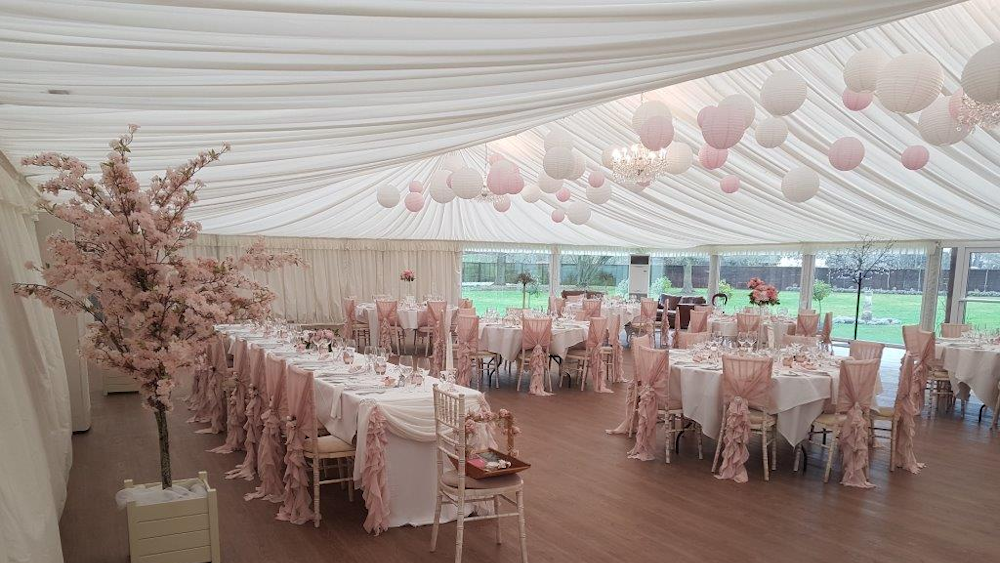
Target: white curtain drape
<point>340,268</point>
<point>35,423</point>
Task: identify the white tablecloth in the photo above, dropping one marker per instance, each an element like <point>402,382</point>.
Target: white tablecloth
<point>506,340</point>
<point>796,399</point>
<point>409,318</point>
<point>975,368</point>
<point>727,326</point>
<point>628,312</point>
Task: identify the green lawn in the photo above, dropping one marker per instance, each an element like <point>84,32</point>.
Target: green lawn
<point>905,308</point>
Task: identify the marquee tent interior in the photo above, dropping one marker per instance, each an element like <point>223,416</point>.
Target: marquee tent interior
<point>330,107</point>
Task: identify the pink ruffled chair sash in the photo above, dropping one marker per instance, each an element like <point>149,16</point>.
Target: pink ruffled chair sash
<point>683,340</point>
<point>536,335</point>
<point>300,425</point>
<point>826,337</point>
<point>237,404</point>
<point>214,405</point>
<point>698,321</point>
<point>468,344</point>
<point>387,320</point>
<point>908,405</point>
<point>746,383</point>
<point>747,322</point>
<point>591,308</point>
<point>806,324</point>
<point>436,311</point>
<point>271,452</point>
<point>652,369</point>
<point>617,353</point>
<point>647,311</point>
<point>556,305</point>
<point>858,379</point>
<point>350,309</point>
<point>862,350</point>
<point>594,343</point>
<point>374,482</point>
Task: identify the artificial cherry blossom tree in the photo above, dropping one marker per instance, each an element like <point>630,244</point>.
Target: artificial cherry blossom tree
<point>153,307</point>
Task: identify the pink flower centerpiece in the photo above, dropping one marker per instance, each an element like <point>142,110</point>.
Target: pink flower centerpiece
<point>154,308</point>
<point>407,276</point>
<point>761,293</point>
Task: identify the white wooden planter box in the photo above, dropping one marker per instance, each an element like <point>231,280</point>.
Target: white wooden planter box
<point>184,531</point>
<point>115,382</point>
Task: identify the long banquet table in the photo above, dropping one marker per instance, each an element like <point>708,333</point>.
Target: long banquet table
<point>339,391</point>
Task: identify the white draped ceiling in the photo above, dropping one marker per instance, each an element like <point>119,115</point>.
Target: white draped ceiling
<point>324,101</point>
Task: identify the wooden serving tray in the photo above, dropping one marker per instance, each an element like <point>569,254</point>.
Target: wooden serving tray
<point>472,470</point>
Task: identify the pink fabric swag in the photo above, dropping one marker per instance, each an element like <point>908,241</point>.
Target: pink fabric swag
<point>236,413</point>
<point>374,482</point>
<point>857,389</point>
<point>652,369</point>
<point>271,454</point>
<point>350,309</point>
<point>536,335</point>
<point>468,345</point>
<point>300,425</point>
<point>594,343</point>
<point>437,310</point>
<point>253,425</point>
<point>746,383</point>
<point>908,405</point>
<point>387,320</point>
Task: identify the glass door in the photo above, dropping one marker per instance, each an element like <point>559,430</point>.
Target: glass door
<point>978,283</point>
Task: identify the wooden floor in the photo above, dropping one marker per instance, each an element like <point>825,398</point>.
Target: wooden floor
<point>586,501</point>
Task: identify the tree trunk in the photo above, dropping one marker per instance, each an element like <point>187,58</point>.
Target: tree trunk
<point>857,311</point>
<point>688,285</point>
<point>501,278</point>
<point>161,427</point>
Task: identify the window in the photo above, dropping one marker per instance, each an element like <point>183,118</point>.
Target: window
<point>489,279</point>
<point>888,300</point>
<point>783,271</point>
<point>941,312</point>
<point>678,275</point>
<point>607,274</point>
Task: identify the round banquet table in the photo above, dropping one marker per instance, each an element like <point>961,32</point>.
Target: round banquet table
<point>506,340</point>
<point>971,366</point>
<point>409,318</point>
<point>627,312</point>
<point>726,325</point>
<point>797,396</point>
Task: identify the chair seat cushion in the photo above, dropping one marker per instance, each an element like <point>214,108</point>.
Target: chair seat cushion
<point>884,412</point>
<point>577,354</point>
<point>757,418</point>
<point>830,419</point>
<point>450,478</point>
<point>328,445</point>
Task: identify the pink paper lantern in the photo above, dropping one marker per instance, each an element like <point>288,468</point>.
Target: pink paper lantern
<point>701,116</point>
<point>563,195</point>
<point>846,154</point>
<point>496,157</point>
<point>915,157</point>
<point>558,215</point>
<point>596,179</point>
<point>416,187</point>
<point>514,183</point>
<point>448,180</point>
<point>711,157</point>
<point>656,133</point>
<point>722,127</point>
<point>414,201</point>
<point>730,184</point>
<point>857,101</point>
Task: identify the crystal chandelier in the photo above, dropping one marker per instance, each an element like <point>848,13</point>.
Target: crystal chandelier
<point>973,113</point>
<point>637,164</point>
<point>486,196</point>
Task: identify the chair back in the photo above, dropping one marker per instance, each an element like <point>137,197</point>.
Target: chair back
<point>858,380</point>
<point>591,308</point>
<point>645,341</point>
<point>467,330</point>
<point>387,311</point>
<point>954,330</point>
<point>217,356</point>
<point>805,341</point>
<point>682,319</point>
<point>699,320</point>
<point>920,343</point>
<point>436,310</point>
<point>826,336</point>
<point>449,430</point>
<point>652,368</point>
<point>299,394</point>
<point>466,304</point>
<point>862,350</point>
<point>671,301</point>
<point>748,377</point>
<point>807,311</point>
<point>536,332</point>
<point>647,310</point>
<point>708,308</point>
<point>806,324</point>
<point>614,327</point>
<point>576,298</point>
<point>349,309</point>
<point>274,379</point>
<point>747,322</point>
<point>597,333</point>
<point>556,305</point>
<point>256,365</point>
<point>684,340</point>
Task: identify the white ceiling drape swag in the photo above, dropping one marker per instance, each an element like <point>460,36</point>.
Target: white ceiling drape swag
<point>325,101</point>
<point>34,396</point>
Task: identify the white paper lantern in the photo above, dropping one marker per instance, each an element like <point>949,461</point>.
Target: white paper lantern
<point>579,167</point>
<point>559,163</point>
<point>599,195</point>
<point>783,92</point>
<point>531,193</point>
<point>647,110</point>
<point>862,69</point>
<point>502,204</point>
<point>452,162</point>
<point>846,153</point>
<point>679,157</point>
<point>771,132</point>
<point>800,184</point>
<point>387,196</point>
<point>466,183</point>
<point>743,105</point>
<point>414,201</point>
<point>909,82</point>
<point>938,127</point>
<point>437,186</point>
<point>636,187</point>
<point>558,137</point>
<point>548,184</point>
<point>578,212</point>
<point>607,157</point>
<point>981,76</point>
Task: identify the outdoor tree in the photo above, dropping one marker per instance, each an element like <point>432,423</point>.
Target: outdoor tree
<point>821,290</point>
<point>860,263</point>
<point>588,268</point>
<point>153,308</point>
